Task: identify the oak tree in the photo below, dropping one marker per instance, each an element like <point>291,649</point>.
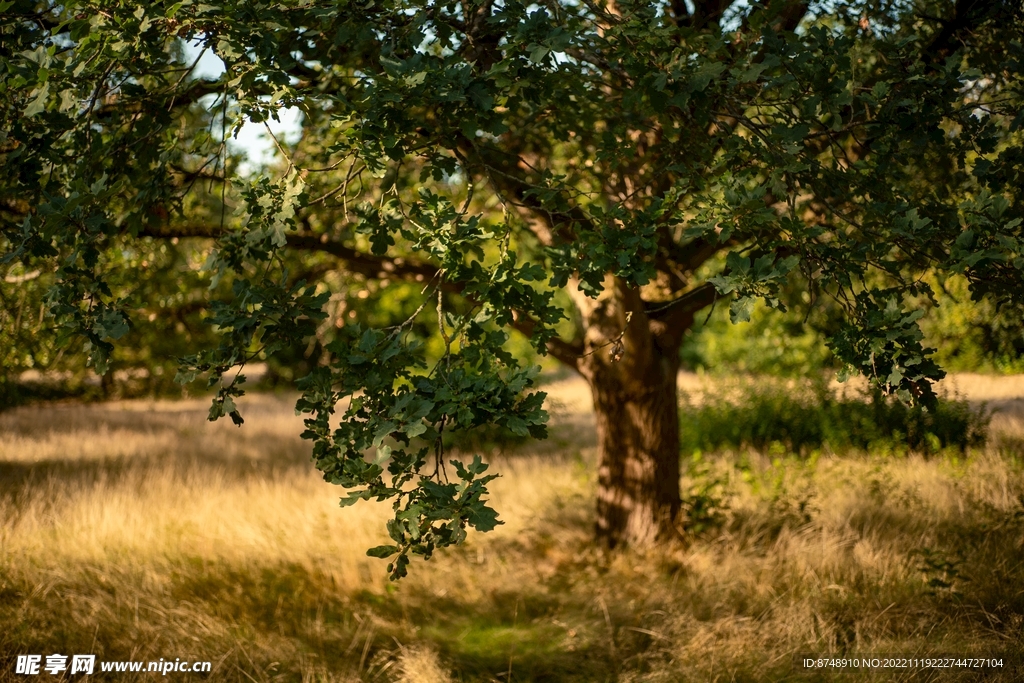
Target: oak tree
<point>593,175</point>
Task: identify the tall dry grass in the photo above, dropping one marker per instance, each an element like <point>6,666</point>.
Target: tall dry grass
<point>139,531</point>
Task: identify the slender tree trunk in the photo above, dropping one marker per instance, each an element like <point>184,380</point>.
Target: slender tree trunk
<point>631,363</point>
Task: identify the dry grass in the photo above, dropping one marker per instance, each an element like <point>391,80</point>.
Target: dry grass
<point>139,531</point>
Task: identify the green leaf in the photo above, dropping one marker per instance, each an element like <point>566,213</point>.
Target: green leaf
<point>38,102</point>
<point>740,309</point>
<point>111,324</point>
<point>538,54</point>
<point>705,74</point>
<point>483,518</point>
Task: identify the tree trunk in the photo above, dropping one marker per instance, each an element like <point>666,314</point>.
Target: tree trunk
<point>638,445</point>
<point>631,363</point>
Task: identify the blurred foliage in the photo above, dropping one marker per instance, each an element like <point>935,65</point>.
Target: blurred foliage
<point>168,290</point>
<point>968,335</point>
<point>973,336</point>
<point>771,417</point>
<point>772,342</point>
<point>163,286</point>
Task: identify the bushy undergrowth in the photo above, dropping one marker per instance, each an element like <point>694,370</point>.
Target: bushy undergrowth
<point>769,415</point>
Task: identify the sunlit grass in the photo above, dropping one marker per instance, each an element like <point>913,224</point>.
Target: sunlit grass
<point>139,531</point>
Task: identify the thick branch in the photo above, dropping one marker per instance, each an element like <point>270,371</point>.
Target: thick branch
<point>361,262</point>
<point>506,173</point>
<point>372,266</point>
<point>790,15</point>
<point>166,232</point>
<point>686,258</point>
<point>967,16</point>
<point>566,352</point>
<point>708,12</point>
<point>671,320</point>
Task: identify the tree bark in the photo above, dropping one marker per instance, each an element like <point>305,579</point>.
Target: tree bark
<point>631,363</point>
<point>638,443</point>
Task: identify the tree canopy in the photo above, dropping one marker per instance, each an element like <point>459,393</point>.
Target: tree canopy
<point>590,174</point>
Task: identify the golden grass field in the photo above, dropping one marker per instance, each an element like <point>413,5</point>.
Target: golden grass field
<point>138,531</point>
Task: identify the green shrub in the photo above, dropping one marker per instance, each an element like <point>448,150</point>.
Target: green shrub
<point>705,506</point>
<point>767,416</point>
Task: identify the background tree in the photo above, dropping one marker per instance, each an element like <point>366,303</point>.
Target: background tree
<point>644,160</point>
